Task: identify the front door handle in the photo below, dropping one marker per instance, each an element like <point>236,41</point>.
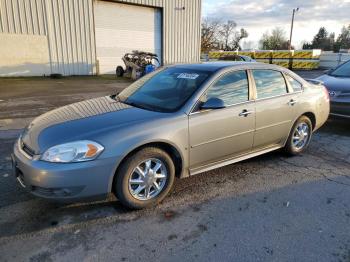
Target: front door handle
<point>292,102</point>
<point>245,113</point>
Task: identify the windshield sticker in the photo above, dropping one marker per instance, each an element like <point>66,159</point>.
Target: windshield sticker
<point>188,76</point>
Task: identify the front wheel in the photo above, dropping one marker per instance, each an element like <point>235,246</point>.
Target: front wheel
<point>145,178</point>
<point>300,136</point>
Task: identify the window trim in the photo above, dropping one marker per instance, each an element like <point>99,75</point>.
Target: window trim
<point>256,90</point>
<point>290,87</point>
<point>250,92</point>
<point>221,109</point>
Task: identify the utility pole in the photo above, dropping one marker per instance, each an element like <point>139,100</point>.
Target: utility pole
<point>291,28</point>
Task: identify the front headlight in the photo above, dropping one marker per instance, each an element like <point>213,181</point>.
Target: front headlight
<point>78,151</point>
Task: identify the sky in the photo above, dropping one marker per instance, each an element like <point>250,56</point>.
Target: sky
<point>259,16</point>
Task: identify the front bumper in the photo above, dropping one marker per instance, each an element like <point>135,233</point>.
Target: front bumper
<point>64,181</point>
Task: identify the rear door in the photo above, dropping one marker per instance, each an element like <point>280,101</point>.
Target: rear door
<point>274,107</point>
<point>223,133</point>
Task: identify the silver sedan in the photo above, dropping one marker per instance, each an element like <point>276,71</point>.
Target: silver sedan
<point>176,122</point>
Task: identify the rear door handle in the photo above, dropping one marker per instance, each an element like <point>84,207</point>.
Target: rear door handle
<point>245,113</point>
<point>292,102</point>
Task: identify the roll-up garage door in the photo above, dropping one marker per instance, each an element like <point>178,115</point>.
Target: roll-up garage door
<point>122,28</point>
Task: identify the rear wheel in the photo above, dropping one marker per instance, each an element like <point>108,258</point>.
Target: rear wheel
<point>300,136</point>
<point>144,178</point>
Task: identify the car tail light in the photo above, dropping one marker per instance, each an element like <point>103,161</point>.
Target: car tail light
<point>326,93</point>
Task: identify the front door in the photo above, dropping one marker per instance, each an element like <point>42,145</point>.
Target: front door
<point>223,133</point>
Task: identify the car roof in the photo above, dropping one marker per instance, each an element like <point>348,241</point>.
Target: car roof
<point>226,65</point>
<point>216,66</point>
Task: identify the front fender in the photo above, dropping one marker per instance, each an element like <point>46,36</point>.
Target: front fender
<point>172,131</point>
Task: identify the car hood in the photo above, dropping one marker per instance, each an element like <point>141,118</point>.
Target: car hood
<point>80,121</point>
<point>335,83</point>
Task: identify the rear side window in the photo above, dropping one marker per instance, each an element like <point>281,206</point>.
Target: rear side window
<point>232,88</point>
<point>269,83</point>
<point>294,83</point>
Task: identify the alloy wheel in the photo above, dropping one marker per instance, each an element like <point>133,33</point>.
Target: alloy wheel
<point>148,179</point>
<point>301,136</point>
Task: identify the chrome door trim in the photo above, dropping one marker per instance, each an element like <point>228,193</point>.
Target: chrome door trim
<point>339,115</point>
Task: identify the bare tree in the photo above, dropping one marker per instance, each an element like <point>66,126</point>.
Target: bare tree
<point>209,34</point>
<point>227,31</point>
<point>218,35</point>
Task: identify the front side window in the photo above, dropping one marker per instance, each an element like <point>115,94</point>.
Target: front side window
<point>269,83</point>
<point>232,88</point>
<point>165,90</point>
<point>294,83</point>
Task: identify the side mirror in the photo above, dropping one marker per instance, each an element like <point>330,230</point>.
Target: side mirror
<point>213,103</point>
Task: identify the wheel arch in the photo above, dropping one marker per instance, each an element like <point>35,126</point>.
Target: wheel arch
<point>312,118</point>
<point>168,147</point>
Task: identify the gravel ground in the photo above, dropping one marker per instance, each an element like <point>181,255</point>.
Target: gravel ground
<point>269,208</point>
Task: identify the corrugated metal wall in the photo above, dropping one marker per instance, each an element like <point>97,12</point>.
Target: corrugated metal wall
<point>71,36</point>
<point>182,31</point>
<point>181,28</point>
<point>22,17</point>
<point>69,27</point>
<point>157,3</point>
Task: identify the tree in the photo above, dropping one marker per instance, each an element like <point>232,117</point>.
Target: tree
<point>235,44</point>
<point>277,40</point>
<point>327,42</point>
<point>218,35</point>
<point>307,45</point>
<point>209,34</point>
<point>227,30</point>
<point>343,40</point>
<point>322,40</point>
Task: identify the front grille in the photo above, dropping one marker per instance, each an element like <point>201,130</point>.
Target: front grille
<point>43,191</point>
<point>28,150</point>
<point>57,192</point>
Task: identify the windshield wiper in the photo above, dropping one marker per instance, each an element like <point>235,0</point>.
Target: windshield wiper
<point>115,97</point>
<point>142,106</point>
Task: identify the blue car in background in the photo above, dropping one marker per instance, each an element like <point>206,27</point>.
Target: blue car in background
<point>337,81</point>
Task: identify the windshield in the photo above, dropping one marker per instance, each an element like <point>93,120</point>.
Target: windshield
<point>165,90</point>
<point>343,70</point>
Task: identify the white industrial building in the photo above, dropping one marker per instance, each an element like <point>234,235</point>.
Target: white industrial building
<point>86,37</point>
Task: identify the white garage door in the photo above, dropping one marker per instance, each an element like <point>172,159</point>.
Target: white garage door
<point>121,28</point>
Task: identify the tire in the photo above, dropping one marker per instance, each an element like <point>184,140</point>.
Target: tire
<point>119,71</point>
<point>292,146</point>
<point>126,191</point>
